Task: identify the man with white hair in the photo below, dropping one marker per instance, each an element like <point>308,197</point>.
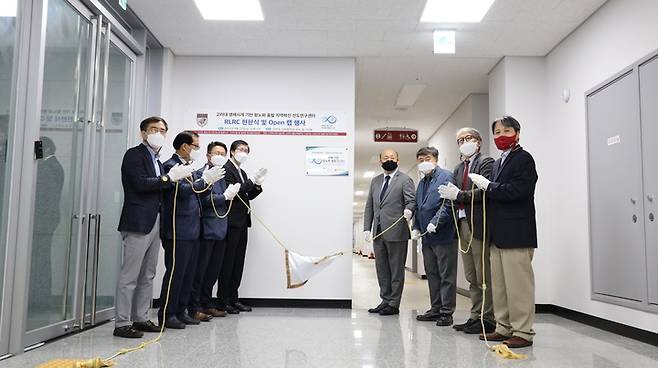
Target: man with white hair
<point>471,230</point>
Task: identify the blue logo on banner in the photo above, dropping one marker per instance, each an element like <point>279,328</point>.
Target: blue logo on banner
<point>329,119</point>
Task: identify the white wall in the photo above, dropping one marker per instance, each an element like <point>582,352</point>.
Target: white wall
<point>312,215</point>
<point>555,133</point>
<point>472,112</point>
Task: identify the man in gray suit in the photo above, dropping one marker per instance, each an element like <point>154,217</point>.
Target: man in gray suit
<point>391,195</point>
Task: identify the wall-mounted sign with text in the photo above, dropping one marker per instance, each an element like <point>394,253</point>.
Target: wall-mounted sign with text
<point>326,161</point>
<point>396,135</point>
<point>270,123</point>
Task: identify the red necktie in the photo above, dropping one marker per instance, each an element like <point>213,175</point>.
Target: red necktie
<point>464,181</point>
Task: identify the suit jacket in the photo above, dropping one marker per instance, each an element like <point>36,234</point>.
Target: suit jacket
<point>142,190</point>
<point>188,206</point>
<point>482,165</point>
<point>400,195</point>
<point>511,201</point>
<point>213,227</point>
<point>433,208</point>
<point>239,215</point>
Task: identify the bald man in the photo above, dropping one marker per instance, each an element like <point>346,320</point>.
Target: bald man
<point>392,195</point>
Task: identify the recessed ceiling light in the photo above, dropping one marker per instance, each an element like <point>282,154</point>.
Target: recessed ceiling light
<point>230,9</point>
<point>408,95</point>
<point>444,41</point>
<point>455,11</point>
<point>359,193</point>
<point>369,174</point>
<point>355,203</point>
<point>8,8</point>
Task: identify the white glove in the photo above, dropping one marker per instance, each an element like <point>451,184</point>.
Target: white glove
<point>407,214</point>
<point>367,235</point>
<point>179,172</point>
<point>431,228</point>
<point>415,234</point>
<point>259,176</point>
<point>449,191</point>
<point>213,174</point>
<point>480,181</point>
<point>231,191</point>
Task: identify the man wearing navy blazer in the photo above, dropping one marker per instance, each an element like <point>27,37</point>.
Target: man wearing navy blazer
<point>510,200</point>
<point>144,180</point>
<point>214,226</point>
<point>239,222</point>
<point>187,231</point>
<point>434,217</point>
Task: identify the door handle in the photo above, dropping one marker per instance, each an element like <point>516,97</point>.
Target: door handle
<point>94,275</point>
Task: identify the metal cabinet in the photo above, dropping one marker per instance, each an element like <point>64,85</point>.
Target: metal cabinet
<point>622,123</point>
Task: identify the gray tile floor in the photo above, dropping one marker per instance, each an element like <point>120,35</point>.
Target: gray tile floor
<point>271,337</point>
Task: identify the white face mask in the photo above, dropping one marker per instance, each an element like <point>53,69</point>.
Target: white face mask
<point>426,167</point>
<point>241,157</point>
<point>218,160</point>
<point>155,140</point>
<point>196,154</point>
<point>468,149</point>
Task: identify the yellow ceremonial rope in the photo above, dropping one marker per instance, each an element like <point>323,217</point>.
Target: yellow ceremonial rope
<point>454,217</point>
<point>272,233</point>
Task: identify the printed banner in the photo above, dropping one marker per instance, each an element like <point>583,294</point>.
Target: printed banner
<point>270,123</point>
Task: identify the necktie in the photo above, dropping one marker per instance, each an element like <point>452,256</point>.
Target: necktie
<point>465,180</point>
<point>386,179</point>
<point>426,185</point>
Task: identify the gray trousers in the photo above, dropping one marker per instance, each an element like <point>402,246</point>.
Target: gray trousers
<point>135,286</point>
<point>441,269</point>
<point>474,274</point>
<point>390,259</point>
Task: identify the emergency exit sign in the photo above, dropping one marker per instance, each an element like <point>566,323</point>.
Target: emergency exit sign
<point>123,4</point>
<point>396,135</point>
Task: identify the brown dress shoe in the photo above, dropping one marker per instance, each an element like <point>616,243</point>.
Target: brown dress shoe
<point>199,316</point>
<point>515,342</point>
<point>214,312</point>
<point>495,337</point>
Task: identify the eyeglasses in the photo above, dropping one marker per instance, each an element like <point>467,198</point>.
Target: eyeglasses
<point>196,146</point>
<point>466,138</point>
<point>153,130</point>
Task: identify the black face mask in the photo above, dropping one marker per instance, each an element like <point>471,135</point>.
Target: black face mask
<point>389,165</point>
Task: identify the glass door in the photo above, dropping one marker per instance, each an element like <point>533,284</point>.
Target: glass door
<point>106,193</point>
<point>86,106</point>
<point>59,224</point>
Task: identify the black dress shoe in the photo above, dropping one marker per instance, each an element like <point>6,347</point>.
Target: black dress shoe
<point>128,332</point>
<point>147,326</point>
<point>186,319</point>
<point>230,309</point>
<point>444,320</point>
<point>389,311</point>
<point>476,328</point>
<point>428,316</point>
<point>377,308</point>
<point>462,326</point>
<point>174,323</point>
<point>241,307</point>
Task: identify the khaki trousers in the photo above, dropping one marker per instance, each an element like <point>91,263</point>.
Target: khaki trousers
<point>513,291</point>
<point>472,261</point>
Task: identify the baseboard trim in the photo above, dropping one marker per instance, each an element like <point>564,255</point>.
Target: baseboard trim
<point>289,303</point>
<point>630,332</point>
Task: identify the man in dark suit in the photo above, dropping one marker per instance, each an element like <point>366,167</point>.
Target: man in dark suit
<point>470,228</point>
<point>391,195</point>
<point>214,225</point>
<point>510,196</point>
<point>239,221</point>
<point>144,180</point>
<point>433,216</point>
<point>185,232</point>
